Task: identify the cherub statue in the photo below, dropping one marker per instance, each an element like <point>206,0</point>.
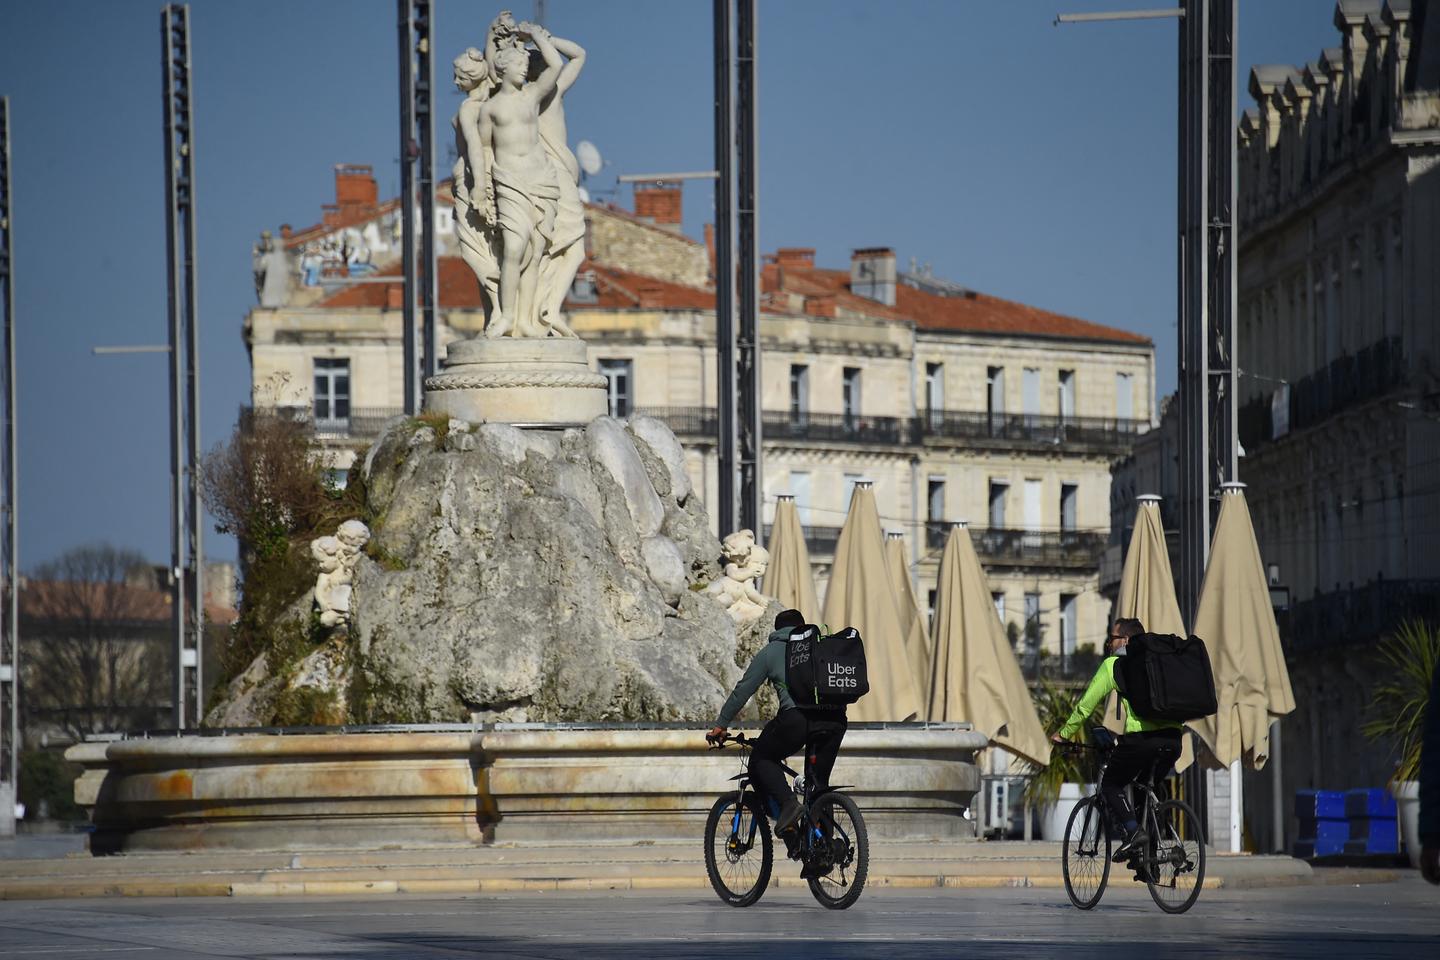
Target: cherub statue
<point>745,563</point>
<point>337,557</point>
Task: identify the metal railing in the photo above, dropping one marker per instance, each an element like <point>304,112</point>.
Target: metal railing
<point>819,540</point>
<point>1029,428</point>
<point>1354,378</point>
<point>1072,666</point>
<point>1358,614</point>
<point>932,427</point>
<point>362,422</point>
<point>1000,545</point>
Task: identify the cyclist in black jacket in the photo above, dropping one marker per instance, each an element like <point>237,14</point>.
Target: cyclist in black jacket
<point>790,730</point>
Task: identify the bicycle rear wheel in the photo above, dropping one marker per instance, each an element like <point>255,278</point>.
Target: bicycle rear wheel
<point>739,853</point>
<point>1175,857</point>
<point>843,846</point>
<point>1085,853</point>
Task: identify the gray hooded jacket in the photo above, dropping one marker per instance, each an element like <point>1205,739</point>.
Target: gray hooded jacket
<point>769,664</point>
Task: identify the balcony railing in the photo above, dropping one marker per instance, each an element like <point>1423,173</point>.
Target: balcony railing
<point>1346,381</point>
<point>1073,667</point>
<point>819,541</point>
<point>362,423</point>
<point>1005,545</point>
<point>1028,428</point>
<point>1362,614</point>
<point>932,427</point>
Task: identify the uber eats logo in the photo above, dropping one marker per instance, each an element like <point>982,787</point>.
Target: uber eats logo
<point>840,675</point>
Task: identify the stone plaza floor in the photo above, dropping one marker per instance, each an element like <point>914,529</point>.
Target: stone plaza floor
<point>1381,920</point>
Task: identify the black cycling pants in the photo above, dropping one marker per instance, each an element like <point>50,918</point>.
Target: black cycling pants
<point>787,734</point>
<point>1136,755</point>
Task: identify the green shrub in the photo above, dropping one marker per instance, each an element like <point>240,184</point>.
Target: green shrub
<point>47,786</point>
<point>1397,710</point>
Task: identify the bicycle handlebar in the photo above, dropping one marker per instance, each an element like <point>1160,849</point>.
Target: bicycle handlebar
<point>739,738</point>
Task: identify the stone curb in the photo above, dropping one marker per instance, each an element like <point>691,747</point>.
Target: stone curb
<point>356,888</point>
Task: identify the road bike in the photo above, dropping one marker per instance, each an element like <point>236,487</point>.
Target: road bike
<point>829,839</point>
<point>1171,863</point>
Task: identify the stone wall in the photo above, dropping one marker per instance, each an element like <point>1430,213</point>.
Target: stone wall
<point>459,787</point>
<point>618,239</point>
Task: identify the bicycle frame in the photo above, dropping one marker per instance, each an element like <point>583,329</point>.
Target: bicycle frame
<point>817,830</point>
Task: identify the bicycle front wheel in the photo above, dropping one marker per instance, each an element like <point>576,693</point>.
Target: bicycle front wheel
<point>1085,853</point>
<point>840,850</point>
<point>739,853</point>
<point>1175,857</point>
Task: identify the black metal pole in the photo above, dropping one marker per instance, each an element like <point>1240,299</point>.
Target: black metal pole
<point>9,555</point>
<point>422,43</point>
<point>748,271</point>
<point>175,77</point>
<point>195,566</point>
<point>725,381</point>
<point>408,149</point>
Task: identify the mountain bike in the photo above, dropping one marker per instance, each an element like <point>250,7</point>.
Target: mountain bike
<point>1172,863</point>
<point>830,838</point>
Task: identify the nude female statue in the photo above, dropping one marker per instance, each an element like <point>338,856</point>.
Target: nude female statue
<point>521,205</point>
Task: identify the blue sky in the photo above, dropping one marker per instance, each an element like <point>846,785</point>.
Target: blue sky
<point>1021,159</point>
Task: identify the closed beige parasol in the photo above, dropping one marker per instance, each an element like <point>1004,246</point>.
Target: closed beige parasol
<point>1147,593</point>
<point>789,578</point>
<point>1235,619</point>
<point>974,673</point>
<point>860,596</point>
<point>912,618</point>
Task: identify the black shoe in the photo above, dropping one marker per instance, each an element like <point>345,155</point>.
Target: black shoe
<point>1131,847</point>
<point>789,816</point>
<point>812,871</point>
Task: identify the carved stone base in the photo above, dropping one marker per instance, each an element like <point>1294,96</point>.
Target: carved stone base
<point>520,381</point>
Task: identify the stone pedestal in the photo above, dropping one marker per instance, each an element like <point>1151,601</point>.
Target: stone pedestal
<point>526,382</point>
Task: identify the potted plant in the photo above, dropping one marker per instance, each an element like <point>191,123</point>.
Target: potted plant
<point>1056,788</point>
<point>1398,716</point>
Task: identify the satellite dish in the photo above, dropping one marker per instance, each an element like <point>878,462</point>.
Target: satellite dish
<point>584,195</point>
<point>589,157</point>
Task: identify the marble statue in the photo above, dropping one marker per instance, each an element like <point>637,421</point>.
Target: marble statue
<point>520,220</point>
<point>520,225</point>
<point>745,563</point>
<point>337,557</point>
<point>273,270</point>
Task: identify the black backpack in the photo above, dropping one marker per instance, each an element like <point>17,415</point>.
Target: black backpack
<point>1164,677</point>
<point>825,673</point>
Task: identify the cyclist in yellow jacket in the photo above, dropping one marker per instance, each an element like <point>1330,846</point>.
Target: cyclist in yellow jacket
<point>1145,744</point>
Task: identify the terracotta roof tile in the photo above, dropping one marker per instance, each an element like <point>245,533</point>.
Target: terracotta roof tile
<point>821,292</point>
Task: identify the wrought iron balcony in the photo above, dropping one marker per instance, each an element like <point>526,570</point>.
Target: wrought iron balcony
<point>1354,378</point>
<point>1359,614</point>
<point>1074,667</point>
<point>361,423</point>
<point>1028,428</point>
<point>819,541</point>
<point>934,427</point>
<point>1002,546</point>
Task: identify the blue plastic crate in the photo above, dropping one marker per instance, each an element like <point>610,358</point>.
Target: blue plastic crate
<point>1379,836</point>
<point>1320,804</point>
<point>1306,849</point>
<point>1331,833</point>
<point>1373,803</point>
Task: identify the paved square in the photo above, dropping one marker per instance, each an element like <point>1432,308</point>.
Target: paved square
<point>1370,920</point>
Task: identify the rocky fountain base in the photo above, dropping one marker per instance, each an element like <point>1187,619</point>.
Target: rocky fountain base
<point>530,604</point>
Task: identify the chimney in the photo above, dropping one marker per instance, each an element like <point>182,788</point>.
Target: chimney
<point>659,203</point>
<point>710,248</point>
<point>796,257</point>
<point>356,194</point>
<point>872,274</point>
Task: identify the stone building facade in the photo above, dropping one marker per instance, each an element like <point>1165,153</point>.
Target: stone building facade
<point>1339,396</point>
<point>957,405</point>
